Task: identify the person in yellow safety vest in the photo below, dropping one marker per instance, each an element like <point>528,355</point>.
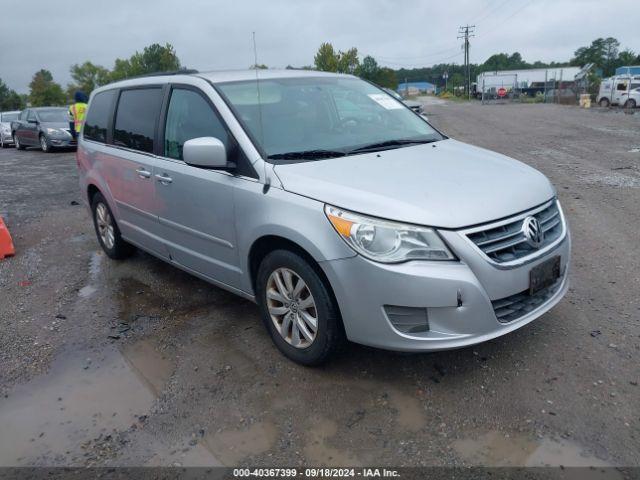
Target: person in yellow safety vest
<point>77,112</point>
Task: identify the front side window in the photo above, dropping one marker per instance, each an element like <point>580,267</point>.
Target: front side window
<point>23,114</point>
<point>332,116</point>
<point>190,116</point>
<point>97,121</point>
<point>136,118</point>
<point>622,87</point>
<point>31,116</point>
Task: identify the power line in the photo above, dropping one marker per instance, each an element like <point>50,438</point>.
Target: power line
<point>404,65</point>
<point>416,57</point>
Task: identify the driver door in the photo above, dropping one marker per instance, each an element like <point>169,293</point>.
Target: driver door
<point>197,219</point>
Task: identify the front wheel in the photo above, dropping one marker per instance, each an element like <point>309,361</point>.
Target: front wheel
<point>298,309</point>
<point>631,103</point>
<point>107,230</point>
<point>44,144</point>
<point>16,142</point>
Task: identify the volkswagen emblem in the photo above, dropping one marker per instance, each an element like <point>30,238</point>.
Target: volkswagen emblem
<point>533,232</point>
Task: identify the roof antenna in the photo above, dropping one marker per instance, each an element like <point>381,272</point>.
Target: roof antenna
<point>267,179</point>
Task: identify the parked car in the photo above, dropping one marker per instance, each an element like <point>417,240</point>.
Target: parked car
<point>342,220</point>
<point>5,127</point>
<point>44,127</point>
<point>412,104</point>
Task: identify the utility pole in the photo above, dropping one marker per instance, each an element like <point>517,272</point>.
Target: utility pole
<point>465,33</point>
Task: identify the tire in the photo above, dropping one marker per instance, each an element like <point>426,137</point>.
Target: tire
<point>16,142</point>
<point>107,230</point>
<point>44,144</point>
<point>631,103</point>
<point>604,102</point>
<point>329,335</point>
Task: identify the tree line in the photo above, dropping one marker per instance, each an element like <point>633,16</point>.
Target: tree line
<point>604,53</point>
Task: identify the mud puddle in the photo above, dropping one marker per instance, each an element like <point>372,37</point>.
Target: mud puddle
<point>496,449</point>
<point>45,422</point>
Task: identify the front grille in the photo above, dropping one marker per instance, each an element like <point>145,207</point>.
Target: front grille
<point>507,242</point>
<point>512,308</point>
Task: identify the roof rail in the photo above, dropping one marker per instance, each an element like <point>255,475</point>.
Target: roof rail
<point>186,71</point>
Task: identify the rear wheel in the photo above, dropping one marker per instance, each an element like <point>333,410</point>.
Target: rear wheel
<point>604,102</point>
<point>16,142</point>
<point>107,230</point>
<point>298,309</point>
<point>44,144</point>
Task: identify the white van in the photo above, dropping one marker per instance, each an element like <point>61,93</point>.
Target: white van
<point>620,90</point>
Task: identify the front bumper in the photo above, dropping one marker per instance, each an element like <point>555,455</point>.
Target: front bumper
<point>457,297</point>
<point>62,142</point>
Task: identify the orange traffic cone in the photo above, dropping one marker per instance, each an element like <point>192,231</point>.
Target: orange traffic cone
<point>6,244</point>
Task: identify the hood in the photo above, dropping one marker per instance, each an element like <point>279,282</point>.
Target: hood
<point>446,184</point>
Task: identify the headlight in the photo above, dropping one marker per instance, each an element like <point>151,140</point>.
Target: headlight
<point>385,241</point>
<point>56,132</point>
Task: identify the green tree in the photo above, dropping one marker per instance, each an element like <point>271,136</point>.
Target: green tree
<point>603,52</point>
<point>326,60</point>
<point>43,91</point>
<point>86,77</point>
<point>368,69</point>
<point>386,77</point>
<point>153,59</point>
<point>10,99</point>
<point>348,61</point>
<point>627,57</point>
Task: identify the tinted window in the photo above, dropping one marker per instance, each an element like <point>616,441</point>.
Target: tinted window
<point>136,118</point>
<point>97,121</point>
<point>622,86</point>
<point>31,115</point>
<point>23,114</point>
<point>190,116</point>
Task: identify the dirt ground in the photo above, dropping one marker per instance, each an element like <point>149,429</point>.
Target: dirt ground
<point>136,363</point>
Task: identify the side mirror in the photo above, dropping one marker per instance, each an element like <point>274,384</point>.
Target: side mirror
<point>207,152</point>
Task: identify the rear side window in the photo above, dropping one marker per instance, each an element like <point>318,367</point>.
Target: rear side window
<point>97,121</point>
<point>190,116</point>
<point>136,118</point>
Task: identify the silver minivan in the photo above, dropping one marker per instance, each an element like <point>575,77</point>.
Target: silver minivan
<point>339,211</point>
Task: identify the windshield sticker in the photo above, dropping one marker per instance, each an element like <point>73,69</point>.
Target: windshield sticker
<point>385,101</point>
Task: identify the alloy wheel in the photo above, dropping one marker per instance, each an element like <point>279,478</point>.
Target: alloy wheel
<point>105,226</point>
<point>43,144</point>
<point>16,142</point>
<point>292,307</point>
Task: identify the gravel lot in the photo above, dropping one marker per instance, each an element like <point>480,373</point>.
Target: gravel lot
<point>137,363</point>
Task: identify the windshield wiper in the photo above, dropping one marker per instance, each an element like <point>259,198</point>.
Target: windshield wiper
<point>307,154</point>
<point>373,147</point>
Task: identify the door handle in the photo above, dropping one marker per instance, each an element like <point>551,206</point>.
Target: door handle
<point>164,178</point>
<point>143,173</point>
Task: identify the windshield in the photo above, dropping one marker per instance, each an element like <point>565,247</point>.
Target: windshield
<point>54,115</point>
<point>324,116</point>
<point>9,117</point>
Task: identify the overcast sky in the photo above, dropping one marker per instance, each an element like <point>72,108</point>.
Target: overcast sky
<point>216,34</point>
